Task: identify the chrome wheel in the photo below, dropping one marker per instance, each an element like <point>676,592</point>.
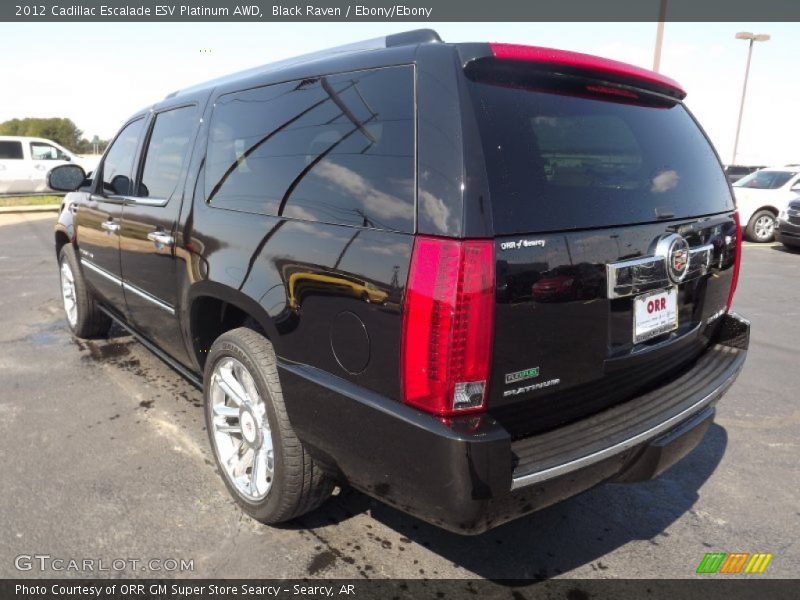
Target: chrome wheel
<point>764,227</point>
<point>241,432</point>
<point>68,294</point>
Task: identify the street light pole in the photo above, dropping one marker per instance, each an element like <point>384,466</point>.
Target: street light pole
<point>745,35</point>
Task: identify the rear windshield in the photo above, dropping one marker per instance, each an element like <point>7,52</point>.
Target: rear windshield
<point>558,161</point>
<point>765,180</point>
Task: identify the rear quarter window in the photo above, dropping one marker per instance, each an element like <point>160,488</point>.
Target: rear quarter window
<point>336,149</point>
<point>10,150</point>
<point>558,161</point>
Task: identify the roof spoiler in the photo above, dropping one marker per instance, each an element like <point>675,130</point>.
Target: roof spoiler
<point>576,63</point>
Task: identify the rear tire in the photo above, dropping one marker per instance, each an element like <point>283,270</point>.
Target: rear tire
<point>280,481</point>
<point>761,228</point>
<point>85,319</point>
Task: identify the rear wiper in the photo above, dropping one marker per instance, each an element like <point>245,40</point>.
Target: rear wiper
<point>664,212</point>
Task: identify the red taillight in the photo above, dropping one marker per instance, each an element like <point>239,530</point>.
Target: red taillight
<point>586,62</point>
<point>737,261</point>
<point>448,325</point>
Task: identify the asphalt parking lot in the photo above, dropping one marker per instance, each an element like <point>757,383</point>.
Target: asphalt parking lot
<point>104,456</point>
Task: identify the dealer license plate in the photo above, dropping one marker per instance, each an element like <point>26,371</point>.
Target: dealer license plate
<point>654,314</point>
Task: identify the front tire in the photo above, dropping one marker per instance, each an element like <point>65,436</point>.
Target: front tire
<point>264,465</point>
<point>761,227</point>
<point>85,319</point>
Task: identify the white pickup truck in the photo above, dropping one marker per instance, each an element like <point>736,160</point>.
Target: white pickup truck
<point>25,162</point>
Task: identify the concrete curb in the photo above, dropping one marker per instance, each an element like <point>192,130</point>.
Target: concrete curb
<point>33,208</point>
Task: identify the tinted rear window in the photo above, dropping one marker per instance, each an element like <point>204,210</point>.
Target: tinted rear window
<point>11,150</point>
<point>558,161</point>
<point>336,148</point>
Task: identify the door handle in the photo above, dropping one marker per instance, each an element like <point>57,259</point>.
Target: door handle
<point>110,226</point>
<point>160,239</point>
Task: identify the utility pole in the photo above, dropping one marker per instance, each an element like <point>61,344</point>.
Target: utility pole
<point>662,16</point>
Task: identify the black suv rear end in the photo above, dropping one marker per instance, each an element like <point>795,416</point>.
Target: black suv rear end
<point>470,280</point>
<point>589,334</point>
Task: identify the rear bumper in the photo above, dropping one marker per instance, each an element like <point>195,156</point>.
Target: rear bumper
<point>466,474</point>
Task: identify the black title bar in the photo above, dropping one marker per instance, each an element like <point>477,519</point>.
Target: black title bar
<point>406,10</point>
<point>708,588</point>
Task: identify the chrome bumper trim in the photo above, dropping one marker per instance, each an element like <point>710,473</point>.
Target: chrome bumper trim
<point>644,436</point>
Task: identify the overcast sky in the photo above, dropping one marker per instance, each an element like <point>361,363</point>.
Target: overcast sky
<point>98,74</point>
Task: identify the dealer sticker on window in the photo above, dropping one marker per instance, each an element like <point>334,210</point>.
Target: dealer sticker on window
<point>654,314</point>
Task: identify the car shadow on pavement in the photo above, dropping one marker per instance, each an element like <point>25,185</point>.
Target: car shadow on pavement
<point>786,249</point>
<point>555,540</point>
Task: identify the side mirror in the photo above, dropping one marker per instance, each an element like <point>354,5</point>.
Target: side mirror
<point>796,187</point>
<point>67,158</point>
<point>66,178</point>
<point>120,185</point>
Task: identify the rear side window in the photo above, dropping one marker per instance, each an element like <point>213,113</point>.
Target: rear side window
<point>118,163</point>
<point>336,148</point>
<point>166,152</point>
<point>562,161</point>
<point>10,150</point>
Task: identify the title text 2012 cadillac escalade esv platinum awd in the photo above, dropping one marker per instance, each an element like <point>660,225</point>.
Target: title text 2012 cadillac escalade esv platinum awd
<point>470,280</point>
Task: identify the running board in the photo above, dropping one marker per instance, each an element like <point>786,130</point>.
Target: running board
<point>166,358</point>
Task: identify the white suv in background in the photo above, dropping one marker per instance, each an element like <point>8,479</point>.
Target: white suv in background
<point>761,196</point>
<point>25,162</point>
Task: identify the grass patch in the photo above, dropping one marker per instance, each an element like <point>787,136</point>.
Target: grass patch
<point>29,200</point>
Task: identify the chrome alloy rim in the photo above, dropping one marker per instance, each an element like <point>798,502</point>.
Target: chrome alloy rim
<point>68,294</point>
<point>241,433</point>
<point>764,227</point>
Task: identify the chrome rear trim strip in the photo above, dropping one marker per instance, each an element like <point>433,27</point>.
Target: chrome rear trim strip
<point>127,286</point>
<point>631,277</point>
<point>102,272</point>
<point>142,294</point>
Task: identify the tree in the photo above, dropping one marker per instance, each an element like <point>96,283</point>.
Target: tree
<point>87,147</point>
<point>60,130</point>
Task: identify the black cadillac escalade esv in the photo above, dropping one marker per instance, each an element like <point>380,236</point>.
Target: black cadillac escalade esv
<point>470,280</point>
